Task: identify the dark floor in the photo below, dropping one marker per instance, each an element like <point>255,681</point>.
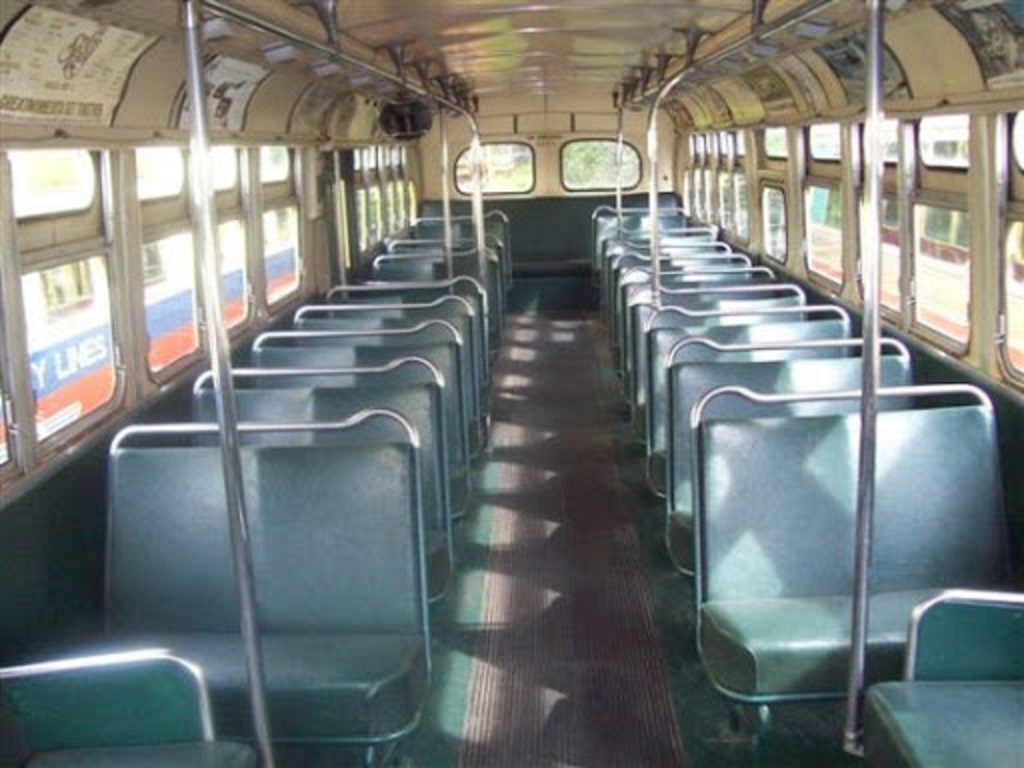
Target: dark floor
<point>568,639</point>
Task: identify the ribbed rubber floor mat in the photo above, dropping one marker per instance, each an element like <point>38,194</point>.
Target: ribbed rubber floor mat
<point>567,668</point>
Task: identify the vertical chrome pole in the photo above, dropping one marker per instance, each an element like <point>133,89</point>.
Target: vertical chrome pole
<point>477,153</point>
<point>870,265</point>
<point>340,228</point>
<point>446,195</point>
<point>652,192</point>
<point>618,174</point>
<point>204,237</point>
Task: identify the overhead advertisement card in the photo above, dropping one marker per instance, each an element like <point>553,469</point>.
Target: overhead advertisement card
<point>230,84</point>
<point>60,68</point>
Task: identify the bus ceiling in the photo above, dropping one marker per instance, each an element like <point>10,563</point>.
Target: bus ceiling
<point>119,73</point>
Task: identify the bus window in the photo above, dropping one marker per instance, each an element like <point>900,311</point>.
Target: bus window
<point>70,342</point>
<point>508,169</point>
<point>773,212</point>
<point>275,164</point>
<point>891,140</point>
<point>824,208</point>
<point>590,164</point>
<point>159,172</point>
<point>944,141</point>
<point>5,451</point>
<point>1014,299</point>
<point>698,195</point>
<point>49,181</point>
<point>942,273</point>
<point>775,143</point>
<point>891,249</point>
<point>742,211</point>
<point>234,282</point>
<point>1018,139</point>
<point>824,141</point>
<point>169,269</point>
<point>281,252</point>
<point>725,201</point>
<point>225,168</point>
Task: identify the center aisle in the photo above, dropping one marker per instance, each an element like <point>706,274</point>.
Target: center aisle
<point>567,666</point>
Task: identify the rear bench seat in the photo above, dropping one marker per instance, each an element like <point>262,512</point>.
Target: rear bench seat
<point>336,536</point>
<point>775,516</point>
<point>961,703</point>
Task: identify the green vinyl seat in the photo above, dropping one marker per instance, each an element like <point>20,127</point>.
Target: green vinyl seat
<point>337,542</point>
<point>775,518</point>
<point>961,702</point>
<point>698,365</point>
<point>146,708</point>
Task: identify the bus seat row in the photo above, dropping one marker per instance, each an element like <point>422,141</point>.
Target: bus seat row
<point>751,422</point>
<point>357,430</point>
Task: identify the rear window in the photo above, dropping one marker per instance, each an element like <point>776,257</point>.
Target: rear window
<point>591,165</point>
<point>508,169</point>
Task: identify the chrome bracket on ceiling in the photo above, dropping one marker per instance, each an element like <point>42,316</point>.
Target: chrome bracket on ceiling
<point>326,11</point>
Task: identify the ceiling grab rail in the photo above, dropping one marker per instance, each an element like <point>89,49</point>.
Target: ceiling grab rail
<point>205,243</point>
<point>853,732</point>
<point>255,22</point>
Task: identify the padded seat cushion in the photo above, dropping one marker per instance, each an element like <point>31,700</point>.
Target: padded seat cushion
<point>214,755</point>
<point>319,687</point>
<point>799,645</point>
<point>945,724</point>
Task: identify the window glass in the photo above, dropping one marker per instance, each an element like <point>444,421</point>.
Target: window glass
<point>710,203</point>
<point>413,204</point>
<point>275,164</point>
<point>726,144</point>
<point>170,299</point>
<point>773,211</point>
<point>741,144</point>
<point>159,172</point>
<point>70,342</point>
<point>825,141</point>
<point>824,207</point>
<point>742,213</point>
<point>225,168</point>
<point>281,252</point>
<point>376,214</point>
<point>891,140</point>
<point>508,169</point>
<point>775,143</point>
<point>1018,139</point>
<point>233,278</point>
<point>944,141</point>
<point>688,192</point>
<point>891,248</point>
<point>1015,295</point>
<point>942,273</point>
<point>48,181</point>
<point>698,194</point>
<point>698,148</point>
<point>362,221</point>
<point>5,452</point>
<point>588,165</point>
<point>725,200</point>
